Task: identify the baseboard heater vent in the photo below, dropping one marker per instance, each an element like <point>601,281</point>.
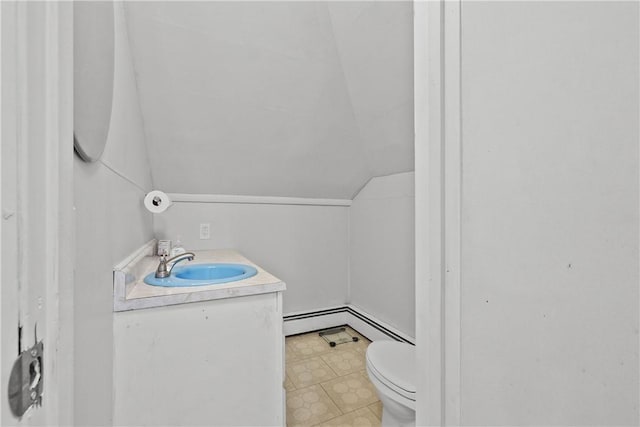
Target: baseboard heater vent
<point>343,315</point>
<point>317,313</point>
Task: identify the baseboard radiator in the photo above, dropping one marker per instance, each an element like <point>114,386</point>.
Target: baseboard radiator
<point>364,323</point>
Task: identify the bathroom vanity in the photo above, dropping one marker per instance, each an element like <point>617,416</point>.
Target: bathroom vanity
<point>205,355</point>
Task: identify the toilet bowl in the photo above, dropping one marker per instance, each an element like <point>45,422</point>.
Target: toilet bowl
<point>391,369</point>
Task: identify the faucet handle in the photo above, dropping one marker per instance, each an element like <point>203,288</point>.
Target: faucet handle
<point>163,259</point>
<point>162,271</point>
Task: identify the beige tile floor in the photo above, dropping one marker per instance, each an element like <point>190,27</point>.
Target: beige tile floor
<point>328,386</point>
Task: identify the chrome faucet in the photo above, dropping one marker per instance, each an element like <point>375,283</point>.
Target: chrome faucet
<point>162,271</point>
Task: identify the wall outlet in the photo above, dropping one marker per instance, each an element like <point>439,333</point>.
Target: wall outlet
<point>205,231</point>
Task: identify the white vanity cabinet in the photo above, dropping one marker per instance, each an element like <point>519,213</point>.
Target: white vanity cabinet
<point>215,362</point>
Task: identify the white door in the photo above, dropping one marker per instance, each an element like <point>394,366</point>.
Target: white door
<point>36,155</point>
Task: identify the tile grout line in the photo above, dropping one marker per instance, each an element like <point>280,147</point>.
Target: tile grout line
<point>328,397</point>
<point>375,414</point>
<point>334,402</point>
<point>343,376</point>
<point>366,408</point>
<point>327,363</point>
<point>321,360</point>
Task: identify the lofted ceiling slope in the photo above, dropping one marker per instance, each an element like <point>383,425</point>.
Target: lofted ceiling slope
<point>299,99</point>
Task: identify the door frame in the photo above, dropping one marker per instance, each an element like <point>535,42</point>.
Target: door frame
<point>42,32</point>
<point>438,200</point>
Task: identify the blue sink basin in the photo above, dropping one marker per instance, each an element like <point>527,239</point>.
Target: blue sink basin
<point>203,274</point>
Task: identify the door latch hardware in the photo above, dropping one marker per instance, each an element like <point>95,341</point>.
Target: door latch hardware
<point>26,381</point>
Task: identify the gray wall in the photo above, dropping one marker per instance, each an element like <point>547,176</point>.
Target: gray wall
<point>381,251</point>
<point>277,98</point>
<point>550,213</point>
<point>110,223</point>
<point>374,40</point>
<point>327,255</point>
<point>305,246</point>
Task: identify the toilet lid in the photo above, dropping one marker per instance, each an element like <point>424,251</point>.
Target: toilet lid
<point>394,363</point>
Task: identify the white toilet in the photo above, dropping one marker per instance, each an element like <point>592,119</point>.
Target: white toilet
<point>391,369</point>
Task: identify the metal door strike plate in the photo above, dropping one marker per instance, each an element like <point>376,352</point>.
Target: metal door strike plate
<point>26,382</point>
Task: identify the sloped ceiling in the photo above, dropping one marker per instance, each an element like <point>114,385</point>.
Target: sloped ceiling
<point>300,99</point>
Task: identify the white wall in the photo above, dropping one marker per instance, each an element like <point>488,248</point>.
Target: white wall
<point>375,42</point>
<point>381,250</point>
<point>550,213</point>
<point>239,97</point>
<point>327,255</point>
<point>110,223</point>
<point>305,246</point>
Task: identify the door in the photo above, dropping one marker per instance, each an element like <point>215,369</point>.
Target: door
<point>36,222</point>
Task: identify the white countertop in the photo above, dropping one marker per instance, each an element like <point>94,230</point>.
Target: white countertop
<point>131,293</point>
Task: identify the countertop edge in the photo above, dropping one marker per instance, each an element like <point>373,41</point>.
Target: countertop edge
<point>197,296</point>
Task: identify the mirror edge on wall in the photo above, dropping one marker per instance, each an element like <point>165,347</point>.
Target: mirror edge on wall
<point>94,60</point>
